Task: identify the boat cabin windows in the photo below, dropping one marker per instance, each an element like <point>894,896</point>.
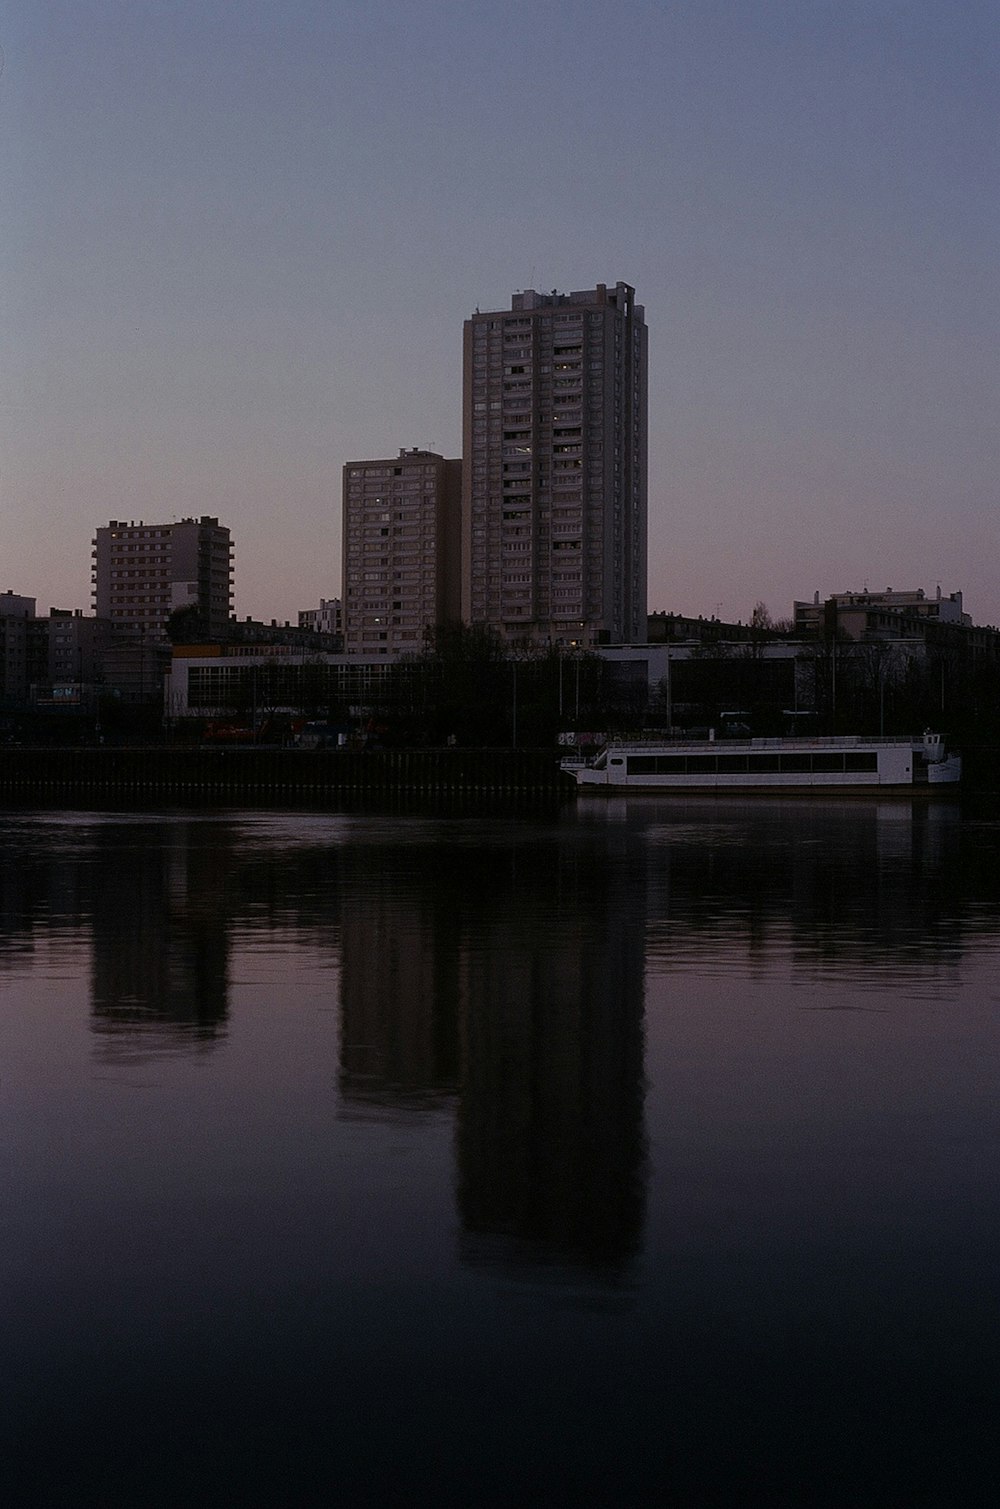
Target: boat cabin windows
<point>771,762</point>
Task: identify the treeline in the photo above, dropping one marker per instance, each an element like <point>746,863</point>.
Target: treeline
<point>468,688</point>
<point>949,682</point>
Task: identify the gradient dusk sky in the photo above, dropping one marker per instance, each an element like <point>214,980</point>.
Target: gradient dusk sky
<point>239,238</point>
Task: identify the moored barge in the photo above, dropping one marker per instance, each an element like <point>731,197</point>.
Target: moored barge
<point>890,766</point>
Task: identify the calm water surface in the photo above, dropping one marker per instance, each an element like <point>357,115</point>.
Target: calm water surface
<point>643,1152</point>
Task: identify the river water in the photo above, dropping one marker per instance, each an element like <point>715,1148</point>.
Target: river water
<point>641,1151</point>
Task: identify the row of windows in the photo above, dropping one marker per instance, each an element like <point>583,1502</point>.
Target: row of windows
<point>520,322</point>
<point>799,763</point>
<point>390,471</point>
<point>136,534</point>
<point>377,492</point>
<point>516,329</point>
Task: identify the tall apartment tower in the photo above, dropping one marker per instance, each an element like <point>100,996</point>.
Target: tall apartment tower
<point>142,572</point>
<point>401,551</point>
<point>554,468</point>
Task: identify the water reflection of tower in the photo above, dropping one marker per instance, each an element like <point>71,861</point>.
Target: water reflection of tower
<point>513,973</point>
<point>398,983</point>
<point>159,974</point>
<point>551,1146</point>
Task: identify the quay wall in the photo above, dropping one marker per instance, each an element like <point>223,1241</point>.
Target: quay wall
<point>293,774</point>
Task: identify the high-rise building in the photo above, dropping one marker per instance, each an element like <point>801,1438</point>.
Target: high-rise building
<point>401,551</point>
<point>554,468</point>
<point>142,572</point>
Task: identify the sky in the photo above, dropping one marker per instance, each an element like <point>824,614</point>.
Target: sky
<point>238,240</point>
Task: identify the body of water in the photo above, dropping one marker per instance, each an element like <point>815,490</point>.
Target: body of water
<point>642,1151</point>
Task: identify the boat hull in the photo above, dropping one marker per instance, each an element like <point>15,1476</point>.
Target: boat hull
<point>886,789</point>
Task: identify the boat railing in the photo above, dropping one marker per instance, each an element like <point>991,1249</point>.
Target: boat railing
<point>834,741</point>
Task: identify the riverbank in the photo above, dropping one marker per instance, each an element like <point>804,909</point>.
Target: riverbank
<point>275,774</point>
<point>296,775</point>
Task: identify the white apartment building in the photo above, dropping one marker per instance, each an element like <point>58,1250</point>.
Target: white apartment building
<point>401,520</point>
<point>328,618</point>
<point>554,468</point>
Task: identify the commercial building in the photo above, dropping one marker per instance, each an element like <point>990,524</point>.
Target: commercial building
<point>142,572</point>
<point>401,520</point>
<point>554,468</point>
<point>246,680</point>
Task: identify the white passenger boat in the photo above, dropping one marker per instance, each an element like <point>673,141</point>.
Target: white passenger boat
<point>777,766</point>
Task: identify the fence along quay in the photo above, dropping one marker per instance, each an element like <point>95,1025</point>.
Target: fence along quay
<point>274,773</point>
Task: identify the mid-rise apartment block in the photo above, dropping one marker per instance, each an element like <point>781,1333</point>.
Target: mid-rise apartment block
<point>554,476</point>
<point>328,618</point>
<point>849,611</point>
<point>45,659</point>
<point>16,616</point>
<point>66,648</point>
<point>142,572</point>
<point>401,551</point>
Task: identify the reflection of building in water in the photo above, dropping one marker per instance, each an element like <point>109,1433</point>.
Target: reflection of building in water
<point>159,973</point>
<point>514,975</point>
<point>42,889</point>
<point>398,986</point>
<point>551,1144</point>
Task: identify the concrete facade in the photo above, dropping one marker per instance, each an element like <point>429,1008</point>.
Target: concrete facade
<point>142,572</point>
<point>554,499</point>
<point>328,618</point>
<point>13,605</point>
<point>855,613</point>
<point>16,615</point>
<point>401,521</point>
<point>67,649</point>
